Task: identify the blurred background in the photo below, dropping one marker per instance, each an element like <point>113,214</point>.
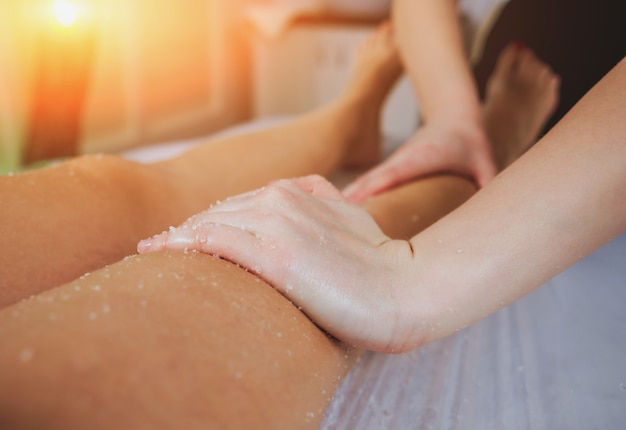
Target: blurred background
<point>85,76</point>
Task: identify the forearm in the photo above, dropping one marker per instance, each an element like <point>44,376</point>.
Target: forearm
<point>558,203</point>
<point>430,42</point>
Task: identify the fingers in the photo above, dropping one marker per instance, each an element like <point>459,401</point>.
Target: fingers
<point>230,243</point>
<point>396,170</point>
<point>304,239</point>
<point>368,185</point>
<point>317,186</point>
<point>242,217</point>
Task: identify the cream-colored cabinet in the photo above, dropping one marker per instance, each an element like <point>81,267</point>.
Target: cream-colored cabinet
<point>309,64</point>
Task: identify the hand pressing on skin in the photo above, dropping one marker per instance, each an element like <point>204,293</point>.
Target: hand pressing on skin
<point>326,255</point>
<point>432,149</point>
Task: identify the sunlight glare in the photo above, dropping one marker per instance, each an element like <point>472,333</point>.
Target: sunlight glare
<point>65,12</point>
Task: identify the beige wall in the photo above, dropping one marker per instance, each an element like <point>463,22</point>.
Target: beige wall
<point>166,70</point>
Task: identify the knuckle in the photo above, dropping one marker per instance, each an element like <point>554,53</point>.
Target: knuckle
<point>276,193</point>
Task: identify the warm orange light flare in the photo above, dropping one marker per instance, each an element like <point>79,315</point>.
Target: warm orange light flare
<point>65,12</point>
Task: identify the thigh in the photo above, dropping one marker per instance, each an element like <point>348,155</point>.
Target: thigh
<point>165,340</point>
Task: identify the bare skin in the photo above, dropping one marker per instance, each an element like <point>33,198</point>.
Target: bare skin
<point>178,340</point>
<point>164,341</point>
<point>273,231</point>
<point>563,199</point>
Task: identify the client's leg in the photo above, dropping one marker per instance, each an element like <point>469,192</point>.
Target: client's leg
<point>61,222</point>
<point>166,340</point>
<point>180,340</point>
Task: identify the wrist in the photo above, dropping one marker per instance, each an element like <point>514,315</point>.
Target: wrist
<point>438,301</point>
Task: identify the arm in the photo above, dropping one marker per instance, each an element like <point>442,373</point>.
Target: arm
<point>453,137</point>
<point>428,36</point>
<point>561,201</point>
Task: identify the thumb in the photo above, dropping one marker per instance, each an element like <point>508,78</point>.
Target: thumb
<point>485,170</point>
<point>397,170</point>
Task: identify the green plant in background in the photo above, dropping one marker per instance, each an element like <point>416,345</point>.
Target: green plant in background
<point>10,146</point>
<point>11,119</point>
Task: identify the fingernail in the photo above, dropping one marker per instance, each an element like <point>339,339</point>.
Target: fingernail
<point>144,245</point>
<point>518,45</point>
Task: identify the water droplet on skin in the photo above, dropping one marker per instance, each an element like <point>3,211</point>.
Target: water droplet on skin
<point>459,251</point>
<point>92,316</point>
<point>106,309</point>
<point>279,334</point>
<point>76,287</point>
<point>439,241</point>
<point>95,287</point>
<point>26,355</point>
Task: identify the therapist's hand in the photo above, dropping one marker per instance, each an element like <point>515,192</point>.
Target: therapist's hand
<point>432,149</point>
<point>326,255</point>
